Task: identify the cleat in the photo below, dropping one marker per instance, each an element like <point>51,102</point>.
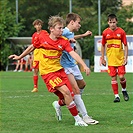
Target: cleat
<point>117,99</point>
<point>89,120</point>
<point>35,90</point>
<point>80,123</point>
<point>20,70</point>
<point>15,70</point>
<point>125,95</point>
<point>58,110</point>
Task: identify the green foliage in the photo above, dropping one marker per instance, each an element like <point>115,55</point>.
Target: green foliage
<point>8,28</point>
<point>125,16</point>
<point>42,9</point>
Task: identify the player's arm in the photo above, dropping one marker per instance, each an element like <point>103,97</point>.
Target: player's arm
<point>26,52</point>
<point>80,61</point>
<point>87,33</point>
<point>126,54</point>
<point>72,40</point>
<point>102,55</point>
<point>124,41</point>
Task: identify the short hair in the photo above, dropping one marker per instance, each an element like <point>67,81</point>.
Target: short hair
<point>54,20</point>
<point>72,16</point>
<point>37,21</point>
<point>111,16</point>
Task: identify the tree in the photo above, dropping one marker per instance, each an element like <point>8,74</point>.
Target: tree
<point>8,28</point>
<point>125,15</point>
<point>31,10</point>
<point>87,9</point>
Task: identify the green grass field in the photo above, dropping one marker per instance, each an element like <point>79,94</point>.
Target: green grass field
<point>24,112</point>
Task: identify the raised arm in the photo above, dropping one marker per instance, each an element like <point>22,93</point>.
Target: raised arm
<point>87,33</point>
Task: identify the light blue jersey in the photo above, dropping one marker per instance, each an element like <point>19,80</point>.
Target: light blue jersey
<point>66,59</point>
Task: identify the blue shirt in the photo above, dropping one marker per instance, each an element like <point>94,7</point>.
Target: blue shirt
<point>66,59</point>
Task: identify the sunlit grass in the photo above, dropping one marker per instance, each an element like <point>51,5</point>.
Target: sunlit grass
<point>25,112</point>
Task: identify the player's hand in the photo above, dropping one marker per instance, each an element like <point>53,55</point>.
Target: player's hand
<point>14,57</point>
<point>103,62</point>
<point>125,62</point>
<point>87,71</point>
<point>88,33</point>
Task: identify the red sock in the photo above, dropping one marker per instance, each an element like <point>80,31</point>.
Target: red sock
<point>72,108</point>
<point>123,83</point>
<point>114,86</point>
<point>61,102</point>
<point>26,69</point>
<point>35,79</point>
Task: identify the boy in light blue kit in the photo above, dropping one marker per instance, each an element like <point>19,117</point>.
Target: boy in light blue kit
<point>71,68</point>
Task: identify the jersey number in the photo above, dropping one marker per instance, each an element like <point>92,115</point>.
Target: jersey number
<point>55,82</point>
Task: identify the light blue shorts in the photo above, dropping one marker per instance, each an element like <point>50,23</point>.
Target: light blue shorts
<point>75,71</point>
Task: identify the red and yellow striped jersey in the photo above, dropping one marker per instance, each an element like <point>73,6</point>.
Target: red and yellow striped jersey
<point>114,41</point>
<point>36,39</point>
<point>50,53</point>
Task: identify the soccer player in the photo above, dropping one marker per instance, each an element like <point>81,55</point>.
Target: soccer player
<point>71,68</point>
<point>113,39</point>
<point>52,72</point>
<point>36,37</point>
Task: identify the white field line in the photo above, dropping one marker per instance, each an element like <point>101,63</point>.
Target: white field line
<point>26,96</point>
<point>29,96</point>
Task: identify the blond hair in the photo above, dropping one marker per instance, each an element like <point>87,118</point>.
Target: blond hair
<point>54,20</point>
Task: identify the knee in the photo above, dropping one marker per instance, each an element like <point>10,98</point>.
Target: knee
<point>82,85</point>
<point>121,77</point>
<point>66,93</point>
<point>35,71</point>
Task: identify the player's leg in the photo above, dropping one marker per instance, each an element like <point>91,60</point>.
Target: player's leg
<point>79,102</point>
<point>35,75</point>
<point>35,80</point>
<point>57,104</point>
<point>58,81</point>
<point>79,78</point>
<point>17,66</point>
<point>70,104</point>
<point>121,72</point>
<point>26,65</point>
<point>31,62</point>
<point>81,84</point>
<point>21,65</point>
<point>113,73</point>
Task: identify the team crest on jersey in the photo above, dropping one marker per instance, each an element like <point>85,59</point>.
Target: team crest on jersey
<point>118,35</point>
<point>59,46</point>
<point>108,34</point>
<point>45,43</point>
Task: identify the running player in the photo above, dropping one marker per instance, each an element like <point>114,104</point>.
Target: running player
<point>71,68</point>
<point>50,69</point>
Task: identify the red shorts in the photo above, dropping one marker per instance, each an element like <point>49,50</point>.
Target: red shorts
<point>57,79</point>
<point>36,64</point>
<point>113,71</point>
